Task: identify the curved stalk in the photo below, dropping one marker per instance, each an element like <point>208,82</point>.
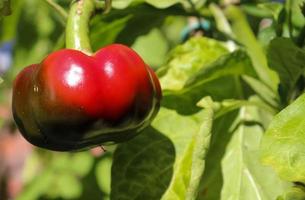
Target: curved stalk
<point>77,29</point>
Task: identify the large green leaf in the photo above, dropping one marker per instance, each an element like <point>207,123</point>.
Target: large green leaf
<point>283,145</point>
<point>236,63</point>
<point>142,164</point>
<point>166,160</point>
<point>219,79</point>
<point>184,185</point>
<point>233,170</point>
<point>289,62</point>
<point>188,58</point>
<point>243,175</point>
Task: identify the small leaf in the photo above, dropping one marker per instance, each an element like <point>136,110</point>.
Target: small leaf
<point>289,62</point>
<point>297,17</point>
<point>283,145</point>
<point>274,8</point>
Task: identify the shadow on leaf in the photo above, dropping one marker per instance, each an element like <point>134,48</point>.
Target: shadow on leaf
<point>143,167</point>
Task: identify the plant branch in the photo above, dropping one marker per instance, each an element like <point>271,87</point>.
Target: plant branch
<point>106,5</point>
<point>61,11</point>
<point>289,2</point>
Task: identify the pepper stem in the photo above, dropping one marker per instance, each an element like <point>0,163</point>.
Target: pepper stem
<point>77,29</point>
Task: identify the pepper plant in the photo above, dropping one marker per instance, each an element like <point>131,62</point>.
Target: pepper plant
<point>231,118</point>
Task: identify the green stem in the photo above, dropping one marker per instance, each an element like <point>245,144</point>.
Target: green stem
<point>106,5</point>
<point>77,30</point>
<point>289,2</point>
<point>58,8</point>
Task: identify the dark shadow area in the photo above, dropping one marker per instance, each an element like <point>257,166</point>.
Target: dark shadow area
<point>212,180</point>
<point>143,167</point>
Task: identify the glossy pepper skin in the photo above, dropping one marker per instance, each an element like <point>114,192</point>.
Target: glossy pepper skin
<point>72,101</point>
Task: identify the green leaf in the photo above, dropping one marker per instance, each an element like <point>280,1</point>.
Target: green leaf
<point>219,79</point>
<point>283,143</point>
<point>246,37</point>
<point>274,8</point>
<point>142,164</point>
<point>166,160</point>
<point>184,185</point>
<point>243,175</point>
<point>124,26</point>
<point>158,50</point>
<point>104,33</point>
<point>212,181</point>
<point>295,193</point>
<point>264,92</point>
<point>298,19</point>
<point>229,105</point>
<point>236,63</point>
<point>187,59</point>
<point>1,80</point>
<point>289,62</point>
